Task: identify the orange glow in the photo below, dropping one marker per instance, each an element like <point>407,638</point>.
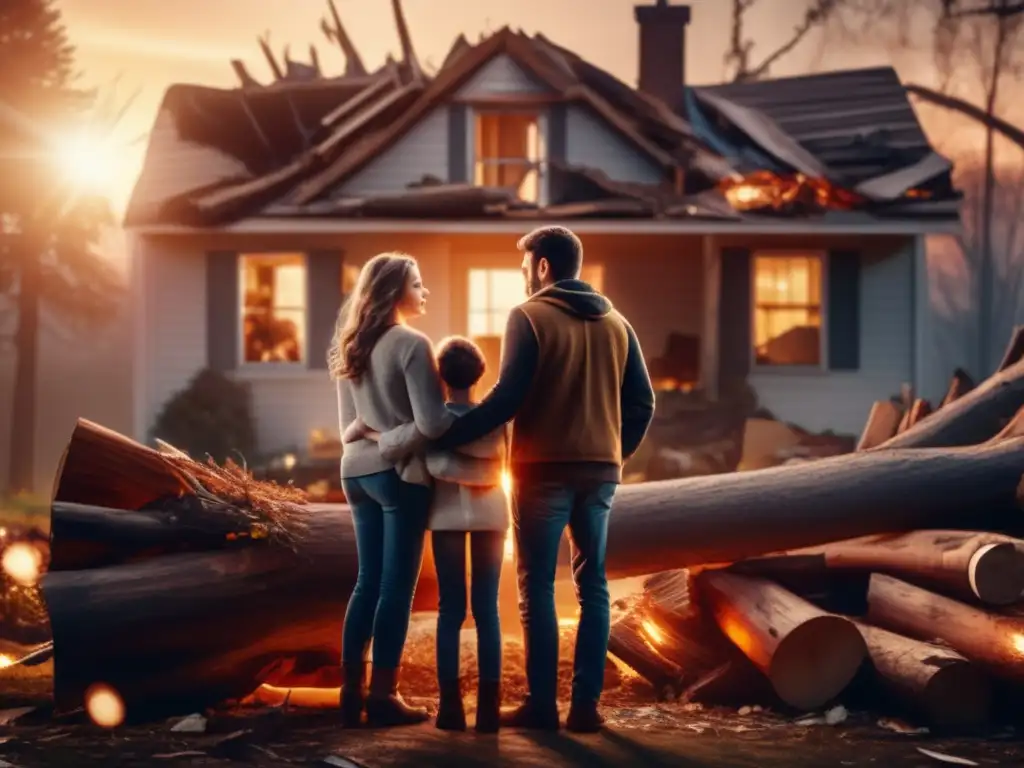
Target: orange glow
<point>22,563</point>
<point>506,486</point>
<point>653,631</point>
<point>86,162</point>
<point>5,661</point>
<point>763,190</point>
<point>104,706</point>
<point>1018,642</point>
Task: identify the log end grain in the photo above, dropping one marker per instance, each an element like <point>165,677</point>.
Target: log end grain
<point>816,661</point>
<point>958,696</point>
<point>996,573</point>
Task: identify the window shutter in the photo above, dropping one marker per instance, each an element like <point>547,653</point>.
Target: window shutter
<point>843,310</point>
<point>223,310</point>
<point>323,274</point>
<point>734,318</point>
<point>458,149</point>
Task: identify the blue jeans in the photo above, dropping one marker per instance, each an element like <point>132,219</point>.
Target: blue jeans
<point>487,550</point>
<point>540,513</point>
<point>390,521</point>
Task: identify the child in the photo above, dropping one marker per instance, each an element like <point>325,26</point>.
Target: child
<point>469,502</point>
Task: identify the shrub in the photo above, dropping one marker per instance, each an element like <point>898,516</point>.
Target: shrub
<point>211,416</point>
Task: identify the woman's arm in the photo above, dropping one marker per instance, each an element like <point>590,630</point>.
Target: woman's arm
<point>402,441</point>
<point>347,416</point>
<point>429,413</point>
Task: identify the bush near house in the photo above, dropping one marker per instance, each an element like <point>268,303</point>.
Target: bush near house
<point>212,417</point>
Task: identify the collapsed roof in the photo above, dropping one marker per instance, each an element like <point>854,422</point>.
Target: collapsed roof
<point>788,147</point>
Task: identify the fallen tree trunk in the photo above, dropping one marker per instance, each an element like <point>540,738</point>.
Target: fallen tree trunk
<point>932,680</point>
<point>809,656</point>
<point>994,642</point>
<point>973,566</point>
<point>883,422</point>
<point>973,418</point>
<point>724,518</point>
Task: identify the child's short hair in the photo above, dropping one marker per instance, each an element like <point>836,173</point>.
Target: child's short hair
<point>460,362</point>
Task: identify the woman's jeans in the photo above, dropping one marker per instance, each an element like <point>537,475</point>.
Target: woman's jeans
<point>390,520</point>
<point>487,549</point>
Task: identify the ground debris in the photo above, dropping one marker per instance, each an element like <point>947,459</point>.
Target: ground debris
<point>944,758</point>
<point>194,723</point>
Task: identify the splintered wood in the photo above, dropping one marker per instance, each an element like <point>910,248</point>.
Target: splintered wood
<point>895,572</point>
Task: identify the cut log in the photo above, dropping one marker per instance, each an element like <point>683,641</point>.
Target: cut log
<point>918,410</point>
<point>634,641</point>
<point>932,680</point>
<point>959,385</point>
<point>724,518</point>
<point>972,419</point>
<point>973,566</point>
<point>808,655</point>
<point>883,422</point>
<point>994,642</point>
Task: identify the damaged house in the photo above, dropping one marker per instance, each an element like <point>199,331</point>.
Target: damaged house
<point>769,232</point>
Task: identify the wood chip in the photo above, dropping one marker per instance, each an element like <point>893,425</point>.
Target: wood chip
<point>342,762</point>
<point>944,758</point>
<point>191,724</point>
<point>173,755</point>
<point>8,716</point>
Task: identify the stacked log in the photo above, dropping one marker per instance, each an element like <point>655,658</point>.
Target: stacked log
<point>181,586</point>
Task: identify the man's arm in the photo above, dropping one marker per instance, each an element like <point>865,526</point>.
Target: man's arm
<point>518,364</point>
<point>637,398</point>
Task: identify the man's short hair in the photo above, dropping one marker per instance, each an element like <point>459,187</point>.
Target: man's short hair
<point>460,362</point>
<point>560,246</point>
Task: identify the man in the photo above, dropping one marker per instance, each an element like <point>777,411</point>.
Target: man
<point>573,377</point>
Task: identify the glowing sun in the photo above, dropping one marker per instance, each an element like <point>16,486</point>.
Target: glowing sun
<point>86,162</point>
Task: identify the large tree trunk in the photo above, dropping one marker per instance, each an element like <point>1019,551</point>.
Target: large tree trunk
<point>992,641</point>
<point>930,679</point>
<point>973,566</point>
<point>22,447</point>
<point>808,655</point>
<point>974,417</point>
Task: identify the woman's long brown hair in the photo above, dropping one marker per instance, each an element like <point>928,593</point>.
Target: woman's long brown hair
<point>368,313</point>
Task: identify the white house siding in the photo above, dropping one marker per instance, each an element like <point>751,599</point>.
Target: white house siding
<point>591,142</point>
<point>423,151</point>
<point>287,405</point>
<point>501,75</point>
<point>170,345</point>
<point>841,400</point>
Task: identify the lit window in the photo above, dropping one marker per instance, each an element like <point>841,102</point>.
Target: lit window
<point>787,310</point>
<point>509,152</point>
<point>492,295</point>
<point>273,308</point>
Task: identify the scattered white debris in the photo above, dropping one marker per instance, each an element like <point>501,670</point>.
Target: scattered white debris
<point>805,722</point>
<point>176,755</point>
<point>758,708</point>
<point>693,706</point>
<point>898,726</point>
<point>744,711</point>
<point>836,715</point>
<point>194,723</point>
<point>341,762</point>
<point>944,758</point>
<point>8,716</point>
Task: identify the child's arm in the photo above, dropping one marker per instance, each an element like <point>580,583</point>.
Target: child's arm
<point>454,467</point>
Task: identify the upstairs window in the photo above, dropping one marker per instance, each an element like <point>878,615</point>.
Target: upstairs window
<point>788,310</point>
<point>273,308</point>
<point>509,152</point>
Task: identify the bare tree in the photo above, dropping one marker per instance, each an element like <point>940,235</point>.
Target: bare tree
<point>739,56</point>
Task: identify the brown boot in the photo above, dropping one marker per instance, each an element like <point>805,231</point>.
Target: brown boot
<point>352,694</point>
<point>384,705</point>
<point>532,716</point>
<point>488,707</point>
<point>451,716</point>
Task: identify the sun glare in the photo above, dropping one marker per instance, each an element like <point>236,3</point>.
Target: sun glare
<point>86,162</point>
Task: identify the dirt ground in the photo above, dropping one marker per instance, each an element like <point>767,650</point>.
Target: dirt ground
<point>639,733</point>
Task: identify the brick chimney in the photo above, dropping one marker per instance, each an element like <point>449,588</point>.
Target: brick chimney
<point>663,50</point>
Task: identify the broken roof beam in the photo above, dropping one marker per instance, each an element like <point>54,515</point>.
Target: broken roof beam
<point>357,121</point>
<point>893,185</point>
<point>268,53</point>
<point>408,53</point>
<point>353,63</point>
<point>349,107</point>
<point>245,79</point>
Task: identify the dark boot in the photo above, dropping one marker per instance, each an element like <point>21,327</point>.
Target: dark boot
<point>451,716</point>
<point>384,705</point>
<point>584,718</point>
<point>529,715</point>
<point>352,694</point>
<point>488,707</point>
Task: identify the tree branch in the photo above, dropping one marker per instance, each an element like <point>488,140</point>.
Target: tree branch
<point>1011,132</point>
<point>1000,10</point>
<point>813,16</point>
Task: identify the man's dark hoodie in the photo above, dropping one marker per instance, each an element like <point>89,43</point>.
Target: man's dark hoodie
<point>573,377</point>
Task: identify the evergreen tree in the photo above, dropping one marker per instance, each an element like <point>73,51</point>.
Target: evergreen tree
<point>48,266</point>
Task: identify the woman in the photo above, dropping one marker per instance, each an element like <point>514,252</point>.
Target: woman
<point>387,376</point>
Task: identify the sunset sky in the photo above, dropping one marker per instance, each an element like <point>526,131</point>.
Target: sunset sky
<point>146,45</point>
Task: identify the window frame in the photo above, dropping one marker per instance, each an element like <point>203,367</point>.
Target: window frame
<point>541,165</point>
<point>489,310</point>
<point>783,253</point>
<point>270,367</point>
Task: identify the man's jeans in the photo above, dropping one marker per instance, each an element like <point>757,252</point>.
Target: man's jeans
<point>390,520</point>
<point>540,513</point>
<point>487,549</point>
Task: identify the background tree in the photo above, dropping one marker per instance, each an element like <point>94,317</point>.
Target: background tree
<point>49,228</point>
